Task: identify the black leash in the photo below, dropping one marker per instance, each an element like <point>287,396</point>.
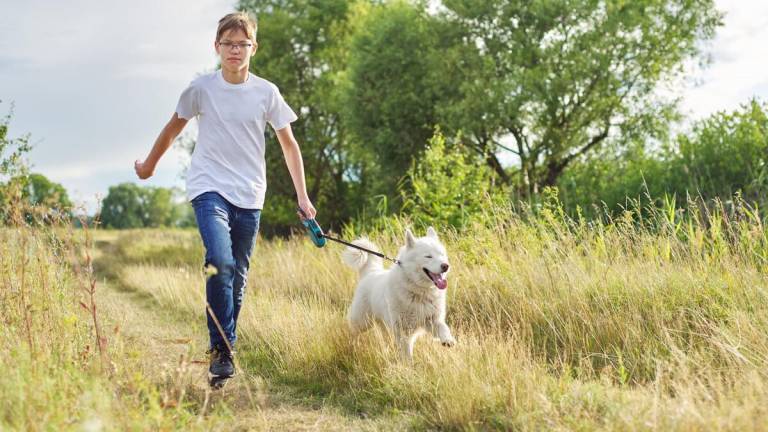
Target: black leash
<point>378,254</point>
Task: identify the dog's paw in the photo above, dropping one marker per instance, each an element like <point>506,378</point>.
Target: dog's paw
<point>448,342</point>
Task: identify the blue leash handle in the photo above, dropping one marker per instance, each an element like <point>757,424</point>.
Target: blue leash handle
<point>314,230</point>
<point>318,237</point>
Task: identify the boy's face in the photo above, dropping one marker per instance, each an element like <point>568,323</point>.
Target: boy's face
<point>235,50</point>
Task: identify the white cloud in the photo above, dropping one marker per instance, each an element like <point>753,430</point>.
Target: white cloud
<point>739,55</point>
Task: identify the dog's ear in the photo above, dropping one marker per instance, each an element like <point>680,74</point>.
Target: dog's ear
<point>410,240</point>
<point>432,233</point>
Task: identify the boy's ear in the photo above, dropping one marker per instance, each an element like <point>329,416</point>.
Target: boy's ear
<point>410,240</point>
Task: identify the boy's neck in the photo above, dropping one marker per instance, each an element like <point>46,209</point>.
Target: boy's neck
<point>237,77</point>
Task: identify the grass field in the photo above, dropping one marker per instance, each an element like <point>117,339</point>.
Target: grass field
<point>652,324</point>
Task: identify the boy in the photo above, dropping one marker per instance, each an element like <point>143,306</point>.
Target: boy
<point>226,181</point>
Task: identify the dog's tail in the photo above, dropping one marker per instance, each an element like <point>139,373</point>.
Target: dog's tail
<point>361,261</point>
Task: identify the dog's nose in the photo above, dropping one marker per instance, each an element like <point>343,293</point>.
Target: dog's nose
<point>444,267</point>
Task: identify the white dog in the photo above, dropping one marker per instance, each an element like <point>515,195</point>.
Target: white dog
<point>409,298</point>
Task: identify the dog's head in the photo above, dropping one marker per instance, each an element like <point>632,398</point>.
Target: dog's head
<point>425,260</point>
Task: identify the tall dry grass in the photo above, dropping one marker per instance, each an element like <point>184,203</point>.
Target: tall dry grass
<point>64,364</point>
<point>654,320</point>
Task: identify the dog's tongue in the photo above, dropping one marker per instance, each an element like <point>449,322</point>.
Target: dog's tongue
<point>439,280</point>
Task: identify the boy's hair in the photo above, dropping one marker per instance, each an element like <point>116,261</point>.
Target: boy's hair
<point>237,20</point>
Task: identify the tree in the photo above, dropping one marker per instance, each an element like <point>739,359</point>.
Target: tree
<point>724,154</point>
<point>301,50</point>
<point>12,165</point>
<point>38,190</point>
<point>123,207</point>
<point>561,78</point>
<point>12,150</point>
<point>129,206</point>
<point>34,199</point>
<point>447,186</point>
<point>389,101</point>
<point>159,208</point>
<point>615,178</point>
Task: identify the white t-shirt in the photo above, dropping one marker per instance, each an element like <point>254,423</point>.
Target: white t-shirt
<point>229,153</point>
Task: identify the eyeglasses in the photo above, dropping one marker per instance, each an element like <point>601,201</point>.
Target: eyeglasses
<point>231,45</point>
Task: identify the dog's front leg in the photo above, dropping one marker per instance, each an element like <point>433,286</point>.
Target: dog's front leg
<point>404,343</point>
<point>442,332</point>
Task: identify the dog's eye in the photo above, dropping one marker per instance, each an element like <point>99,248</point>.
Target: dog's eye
<point>428,256</point>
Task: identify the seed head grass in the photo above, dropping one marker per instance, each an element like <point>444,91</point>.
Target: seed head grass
<point>653,319</point>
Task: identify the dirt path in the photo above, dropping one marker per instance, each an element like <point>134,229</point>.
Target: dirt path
<point>168,349</point>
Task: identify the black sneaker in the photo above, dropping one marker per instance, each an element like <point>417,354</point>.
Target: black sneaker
<point>221,363</point>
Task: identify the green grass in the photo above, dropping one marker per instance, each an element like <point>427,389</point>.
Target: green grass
<point>54,377</point>
<point>561,324</point>
<point>652,321</point>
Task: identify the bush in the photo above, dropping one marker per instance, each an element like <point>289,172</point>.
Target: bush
<point>724,155</point>
<point>448,187</point>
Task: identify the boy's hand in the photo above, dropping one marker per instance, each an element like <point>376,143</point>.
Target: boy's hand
<point>143,170</point>
<point>309,210</point>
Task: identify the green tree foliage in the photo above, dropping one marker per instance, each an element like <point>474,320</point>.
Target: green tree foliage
<point>448,187</point>
<point>32,197</point>
<point>543,83</point>
<point>25,197</point>
<point>123,207</point>
<point>129,206</point>
<point>547,81</point>
<point>301,49</point>
<point>39,200</point>
<point>389,100</point>
<point>12,150</point>
<point>38,190</point>
<point>12,165</point>
<point>613,177</point>
<point>724,154</point>
<point>563,77</point>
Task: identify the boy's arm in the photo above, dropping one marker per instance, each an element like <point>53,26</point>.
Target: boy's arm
<point>169,133</point>
<point>293,159</point>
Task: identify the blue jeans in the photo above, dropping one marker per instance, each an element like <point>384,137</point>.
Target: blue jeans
<point>229,234</point>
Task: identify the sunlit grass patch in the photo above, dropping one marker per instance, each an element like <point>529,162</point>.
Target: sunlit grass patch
<point>55,376</point>
<point>561,324</point>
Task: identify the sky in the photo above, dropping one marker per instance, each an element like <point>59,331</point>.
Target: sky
<point>94,82</point>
